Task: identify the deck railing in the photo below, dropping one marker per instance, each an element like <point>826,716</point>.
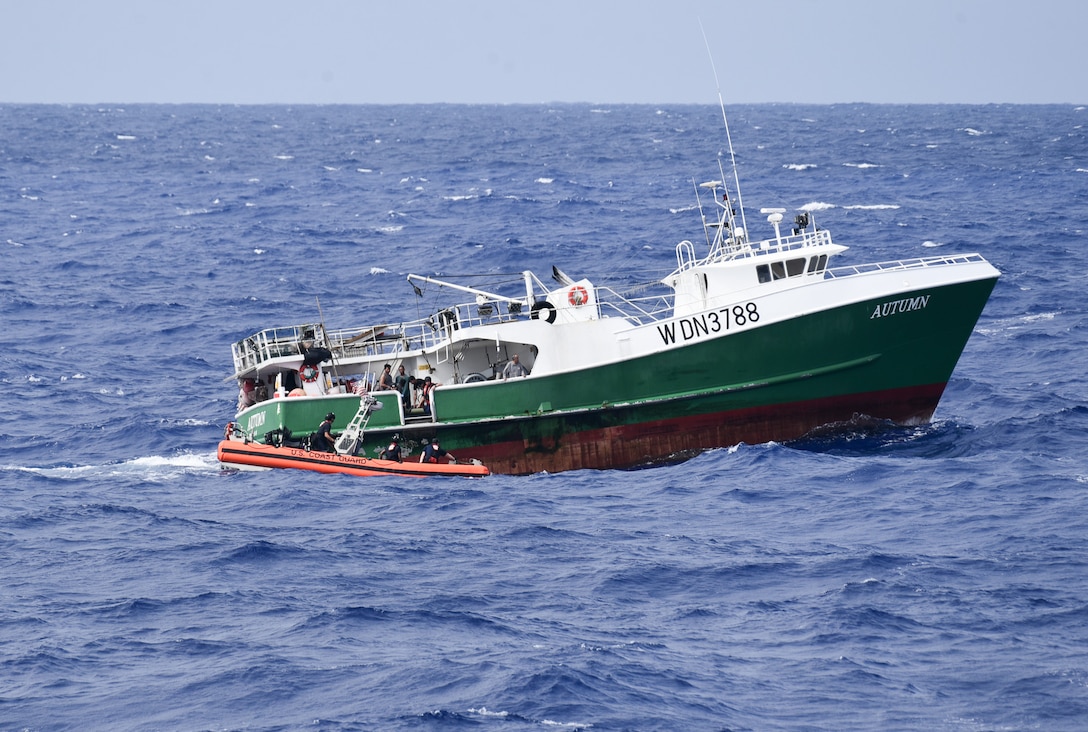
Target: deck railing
<point>395,338</point>
<point>903,264</point>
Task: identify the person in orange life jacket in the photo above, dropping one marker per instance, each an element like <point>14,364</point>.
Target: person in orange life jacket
<point>432,451</point>
<point>392,452</point>
<point>323,439</point>
<point>425,399</point>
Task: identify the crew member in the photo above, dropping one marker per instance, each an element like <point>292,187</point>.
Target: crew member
<point>323,440</point>
<point>432,451</point>
<point>392,452</point>
<point>514,369</point>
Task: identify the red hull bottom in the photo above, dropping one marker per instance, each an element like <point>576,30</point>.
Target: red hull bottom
<point>631,445</point>
<point>267,456</point>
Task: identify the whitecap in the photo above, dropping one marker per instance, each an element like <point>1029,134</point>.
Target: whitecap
<point>485,712</point>
<point>817,206</point>
<point>153,467</point>
<point>973,132</point>
<point>1038,316</point>
<point>390,229</point>
<point>545,181</point>
<point>871,207</point>
<point>188,460</point>
<point>284,157</point>
<point>931,244</point>
<point>15,243</point>
<point>683,209</point>
<point>364,170</point>
<point>378,270</point>
<point>862,166</point>
<point>126,137</point>
<point>187,422</point>
<point>572,725</point>
<point>258,251</point>
<point>799,166</point>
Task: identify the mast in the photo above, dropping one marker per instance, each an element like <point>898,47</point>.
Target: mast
<point>728,137</point>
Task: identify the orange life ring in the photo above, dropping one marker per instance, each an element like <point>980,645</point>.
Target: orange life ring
<point>309,372</point>
<point>577,296</point>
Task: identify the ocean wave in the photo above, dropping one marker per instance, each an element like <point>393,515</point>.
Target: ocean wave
<point>151,468</point>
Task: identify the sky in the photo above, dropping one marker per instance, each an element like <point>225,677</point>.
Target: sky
<point>513,51</point>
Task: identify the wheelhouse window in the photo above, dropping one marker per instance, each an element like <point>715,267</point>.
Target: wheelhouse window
<point>782,270</point>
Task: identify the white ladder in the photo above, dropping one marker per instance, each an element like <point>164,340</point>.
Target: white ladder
<point>348,441</point>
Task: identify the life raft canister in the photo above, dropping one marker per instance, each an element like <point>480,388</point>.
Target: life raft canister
<point>577,296</point>
<point>309,373</point>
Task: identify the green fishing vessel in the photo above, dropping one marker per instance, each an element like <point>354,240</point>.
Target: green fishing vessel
<point>749,341</point>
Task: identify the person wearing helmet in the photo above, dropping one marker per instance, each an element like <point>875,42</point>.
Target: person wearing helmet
<point>323,440</point>
<point>432,451</point>
<point>393,451</point>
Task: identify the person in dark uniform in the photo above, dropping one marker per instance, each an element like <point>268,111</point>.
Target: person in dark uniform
<point>323,439</point>
<point>392,452</point>
<point>432,451</point>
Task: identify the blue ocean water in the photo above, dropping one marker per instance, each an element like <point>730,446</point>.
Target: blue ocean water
<point>877,578</point>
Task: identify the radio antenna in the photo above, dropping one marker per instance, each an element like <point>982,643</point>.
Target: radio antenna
<point>728,137</point>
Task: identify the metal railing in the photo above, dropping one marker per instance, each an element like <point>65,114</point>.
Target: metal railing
<point>903,264</point>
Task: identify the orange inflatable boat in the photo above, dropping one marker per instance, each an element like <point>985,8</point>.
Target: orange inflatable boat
<point>255,454</point>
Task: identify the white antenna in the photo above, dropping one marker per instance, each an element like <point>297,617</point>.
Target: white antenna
<point>728,138</point>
